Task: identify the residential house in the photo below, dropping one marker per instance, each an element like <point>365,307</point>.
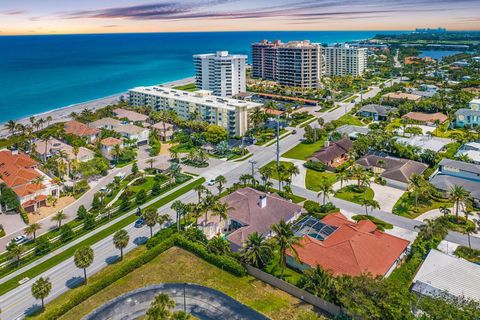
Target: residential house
<point>79,129</point>
<point>424,143</point>
<point>50,148</point>
<point>165,131</point>
<point>250,211</point>
<point>468,117</point>
<point>376,111</point>
<point>20,173</point>
<point>445,276</point>
<point>334,153</point>
<point>453,172</point>
<point>107,145</point>
<point>130,115</point>
<point>471,150</point>
<point>126,130</point>
<point>396,96</point>
<point>106,123</point>
<point>423,94</point>
<point>395,171</point>
<point>426,118</point>
<point>351,131</point>
<point>343,247</point>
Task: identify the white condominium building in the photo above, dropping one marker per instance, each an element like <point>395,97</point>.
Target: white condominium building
<point>230,114</point>
<point>345,60</point>
<point>222,73</point>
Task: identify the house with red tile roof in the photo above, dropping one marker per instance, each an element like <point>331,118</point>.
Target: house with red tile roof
<point>107,145</point>
<point>344,247</point>
<point>82,130</point>
<point>19,172</point>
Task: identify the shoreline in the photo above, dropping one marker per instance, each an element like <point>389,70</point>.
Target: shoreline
<point>62,114</point>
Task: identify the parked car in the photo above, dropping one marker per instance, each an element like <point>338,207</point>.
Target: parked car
<point>20,239</point>
<point>139,223</point>
<point>294,131</point>
<point>211,182</point>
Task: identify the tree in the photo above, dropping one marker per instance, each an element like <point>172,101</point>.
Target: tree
<point>32,229</point>
<point>416,184</point>
<point>458,194</point>
<point>83,259</point>
<point>180,209</point>
<point>215,134</point>
<point>218,245</point>
<point>285,239</point>
<point>200,189</point>
<point>82,212</point>
<point>244,178</point>
<point>326,188</point>
<point>151,161</point>
<point>8,198</point>
<point>319,282</point>
<point>120,240</point>
<point>369,203</point>
<point>58,217</point>
<point>256,251</point>
<point>444,210</point>
<point>41,289</point>
<point>342,177</point>
<point>134,168</point>
<point>291,171</point>
<point>15,250</point>
<point>151,218</point>
<point>266,173</point>
<point>220,181</point>
<point>89,222</point>
<point>221,209</point>
<point>160,308</point>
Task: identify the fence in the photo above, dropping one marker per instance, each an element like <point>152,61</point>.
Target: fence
<point>327,307</point>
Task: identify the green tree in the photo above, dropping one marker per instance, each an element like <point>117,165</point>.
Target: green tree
<point>458,194</point>
<point>180,209</point>
<point>266,173</point>
<point>66,233</point>
<point>151,217</point>
<point>83,258</point>
<point>256,251</point>
<point>369,204</point>
<point>32,230</point>
<point>326,188</point>
<point>285,239</point>
<point>215,134</point>
<point>218,245</point>
<point>160,308</point>
<point>15,250</point>
<point>41,289</point>
<point>220,181</point>
<point>43,246</point>
<point>200,189</point>
<point>319,282</point>
<point>59,217</point>
<point>120,240</point>
<point>134,169</point>
<point>89,222</point>
<point>82,212</point>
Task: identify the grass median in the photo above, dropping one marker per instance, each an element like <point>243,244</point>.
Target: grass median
<point>64,255</point>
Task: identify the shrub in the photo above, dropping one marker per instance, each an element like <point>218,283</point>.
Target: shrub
<point>66,233</point>
<point>315,165</point>
<point>469,254</point>
<point>42,246</point>
<point>24,215</point>
<point>89,222</point>
<point>160,236</point>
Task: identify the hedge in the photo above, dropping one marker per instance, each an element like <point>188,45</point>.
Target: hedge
<point>24,215</point>
<point>160,237</point>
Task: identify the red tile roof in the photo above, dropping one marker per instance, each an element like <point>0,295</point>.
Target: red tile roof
<point>426,117</point>
<point>353,249</point>
<point>80,129</point>
<point>111,141</point>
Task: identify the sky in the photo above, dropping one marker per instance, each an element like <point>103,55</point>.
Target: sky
<point>107,16</point>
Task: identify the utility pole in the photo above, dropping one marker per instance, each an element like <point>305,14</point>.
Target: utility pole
<point>278,153</point>
<point>253,163</point>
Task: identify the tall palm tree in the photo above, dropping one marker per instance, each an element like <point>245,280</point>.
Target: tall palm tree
<point>266,173</point>
<point>180,209</point>
<point>32,229</point>
<point>58,217</point>
<point>173,154</point>
<point>207,204</point>
<point>221,209</point>
<point>416,183</point>
<point>220,181</point>
<point>244,178</point>
<point>151,217</point>
<point>151,161</point>
<point>256,251</point>
<point>326,188</point>
<point>160,307</point>
<point>291,171</point>
<point>83,258</point>
<point>458,194</point>
<point>120,241</point>
<point>286,239</point>
<point>200,189</point>
<point>41,289</point>
<point>444,210</point>
<point>11,126</point>
<point>342,176</point>
<point>369,204</point>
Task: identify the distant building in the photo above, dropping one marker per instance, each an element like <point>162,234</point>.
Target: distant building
<point>424,143</point>
<point>471,150</point>
<point>130,115</point>
<point>222,73</point>
<point>165,130</point>
<point>20,173</point>
<point>426,118</point>
<point>52,147</point>
<point>343,247</point>
<point>345,60</point>
<point>126,130</point>
<point>334,153</point>
<point>294,64</point>
<point>351,131</point>
<point>81,130</point>
<point>107,146</point>
<point>445,276</point>
<point>376,111</point>
<point>395,171</point>
<point>230,114</point>
<point>468,117</point>
<point>401,96</point>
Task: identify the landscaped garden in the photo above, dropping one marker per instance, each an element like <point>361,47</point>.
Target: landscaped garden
<point>355,194</point>
<point>405,206</point>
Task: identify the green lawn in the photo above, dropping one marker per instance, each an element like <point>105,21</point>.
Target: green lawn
<point>290,275</point>
<point>353,194</point>
<point>405,206</point>
<point>303,150</point>
<point>348,119</point>
<point>187,87</point>
<point>273,165</point>
<point>314,178</point>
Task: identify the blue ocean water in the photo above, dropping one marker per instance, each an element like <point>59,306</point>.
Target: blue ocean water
<point>438,54</point>
<point>40,73</point>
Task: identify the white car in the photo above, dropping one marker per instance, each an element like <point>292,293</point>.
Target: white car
<point>20,239</point>
<point>211,182</point>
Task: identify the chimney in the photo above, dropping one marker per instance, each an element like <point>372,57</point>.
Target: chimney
<point>262,201</point>
<point>14,152</point>
<point>326,143</point>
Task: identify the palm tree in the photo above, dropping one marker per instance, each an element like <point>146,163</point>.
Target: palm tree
<point>220,181</point>
<point>151,218</point>
<point>49,119</point>
<point>369,203</point>
<point>458,194</point>
<point>256,251</point>
<point>342,177</point>
<point>58,217</point>
<point>244,178</point>
<point>15,250</point>
<point>32,229</point>
<point>444,210</point>
<point>318,281</point>
<point>286,239</point>
<point>117,152</point>
<point>11,126</point>
<point>83,258</point>
<point>120,240</point>
<point>207,204</point>
<point>200,189</point>
<point>291,171</point>
<point>151,161</point>
<point>416,183</point>
<point>41,289</point>
<point>180,209</point>
<point>173,154</point>
<point>160,308</point>
<point>326,188</point>
<point>266,173</point>
<point>221,209</point>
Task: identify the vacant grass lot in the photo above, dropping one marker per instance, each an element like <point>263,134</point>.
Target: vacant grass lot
<point>348,119</point>
<point>352,194</point>
<point>303,150</point>
<point>177,265</point>
<point>314,178</point>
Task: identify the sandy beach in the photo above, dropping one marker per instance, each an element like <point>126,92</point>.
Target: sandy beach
<point>63,114</point>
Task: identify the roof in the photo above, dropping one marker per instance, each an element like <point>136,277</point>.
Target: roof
<point>18,171</point>
<point>351,130</point>
<point>467,112</point>
<point>377,108</point>
<point>111,141</point>
<point>273,112</point>
<point>159,126</point>
<point>247,211</point>
<point>425,142</point>
<point>471,150</point>
<point>106,122</point>
<point>129,129</point>
<point>79,129</point>
<point>426,117</point>
<point>460,165</point>
<point>402,96</point>
<point>129,114</point>
<point>445,182</point>
<point>424,94</point>
<point>393,168</point>
<point>54,145</point>
<point>335,150</point>
<point>352,249</point>
<point>442,274</point>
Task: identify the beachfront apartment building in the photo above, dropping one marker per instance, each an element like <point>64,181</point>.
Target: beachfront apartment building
<point>345,60</point>
<point>228,113</point>
<point>294,64</point>
<point>222,73</point>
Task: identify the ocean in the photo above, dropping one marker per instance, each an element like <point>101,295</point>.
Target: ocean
<point>41,73</point>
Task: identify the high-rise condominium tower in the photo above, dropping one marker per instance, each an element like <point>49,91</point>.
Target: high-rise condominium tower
<point>345,60</point>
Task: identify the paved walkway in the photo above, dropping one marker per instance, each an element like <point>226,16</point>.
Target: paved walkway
<point>299,179</point>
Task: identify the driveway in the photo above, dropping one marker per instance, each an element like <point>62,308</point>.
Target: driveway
<point>299,179</point>
<point>11,222</point>
<point>386,196</point>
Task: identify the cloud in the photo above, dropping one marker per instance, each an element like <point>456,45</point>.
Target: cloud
<point>111,26</point>
<point>13,12</point>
